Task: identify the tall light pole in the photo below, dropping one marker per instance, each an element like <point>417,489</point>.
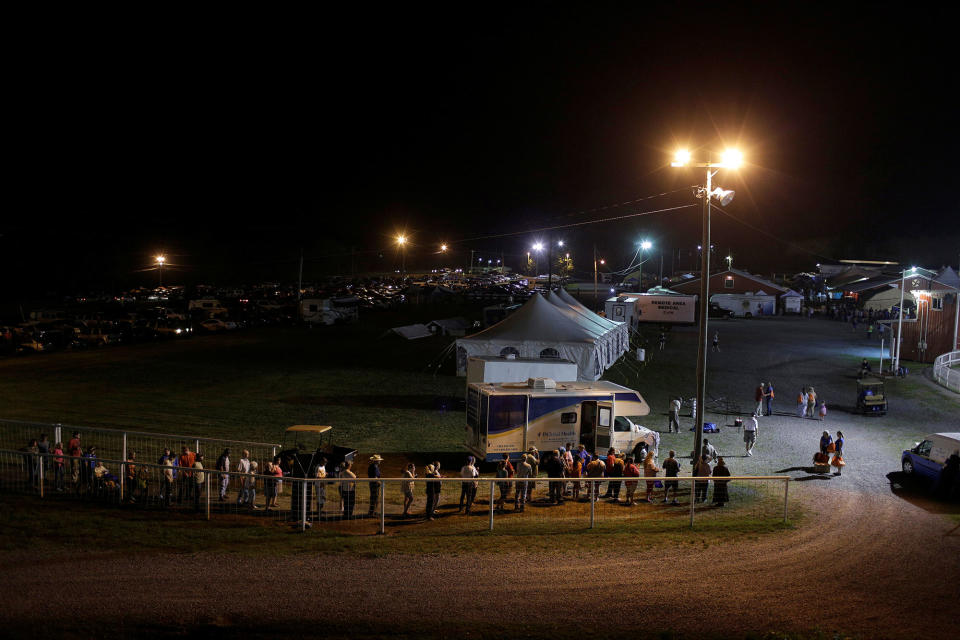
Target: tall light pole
<point>160,260</point>
<point>903,283</point>
<point>644,245</point>
<point>402,242</point>
<point>731,160</point>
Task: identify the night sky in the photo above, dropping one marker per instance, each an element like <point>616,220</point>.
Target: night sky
<point>231,142</point>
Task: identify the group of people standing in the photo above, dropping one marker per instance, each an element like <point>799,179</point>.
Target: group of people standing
<point>807,406</point>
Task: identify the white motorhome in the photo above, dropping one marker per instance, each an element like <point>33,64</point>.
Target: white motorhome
<point>746,305</point>
<point>510,417</point>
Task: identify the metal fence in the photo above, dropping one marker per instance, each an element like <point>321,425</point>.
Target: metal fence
<point>116,443</point>
<point>944,373</point>
<point>399,505</point>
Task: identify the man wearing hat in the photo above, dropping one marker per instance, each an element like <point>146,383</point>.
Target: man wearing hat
<point>373,471</point>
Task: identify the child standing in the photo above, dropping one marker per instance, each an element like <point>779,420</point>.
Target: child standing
<point>823,410</point>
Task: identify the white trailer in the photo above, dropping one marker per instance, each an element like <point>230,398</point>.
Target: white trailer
<point>746,305</point>
<point>511,417</point>
<point>659,308</point>
<point>498,369</point>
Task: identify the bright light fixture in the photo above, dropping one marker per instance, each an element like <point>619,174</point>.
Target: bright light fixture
<point>560,243</point>
<point>538,246</point>
<point>401,239</point>
<point>681,158</point>
<point>161,259</point>
<point>732,158</point>
<point>724,196</point>
<point>646,244</point>
<point>443,247</point>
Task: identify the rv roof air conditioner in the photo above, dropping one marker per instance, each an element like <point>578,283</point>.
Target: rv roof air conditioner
<point>542,384</point>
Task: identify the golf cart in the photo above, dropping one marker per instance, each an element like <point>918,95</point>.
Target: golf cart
<point>304,445</point>
<point>871,398</point>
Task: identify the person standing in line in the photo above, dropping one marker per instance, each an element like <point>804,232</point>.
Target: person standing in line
<point>373,471</point>
<point>750,434</point>
<point>671,469</point>
<point>130,476</point>
<point>630,470</point>
<point>768,394</point>
<point>223,466</point>
<point>468,490</point>
<point>812,403</point>
<point>576,472</point>
<point>503,485</point>
<point>199,478</point>
<point>663,340</point>
<point>650,470</point>
<point>611,461</point>
<point>277,472</point>
<point>567,468</point>
<point>431,490</point>
<point>408,475</point>
<point>701,470</point>
<point>321,474</point>
<point>533,457</point>
<point>595,470</point>
<point>186,460</point>
<point>823,410</point>
<point>554,466</point>
<point>348,489</point>
<point>674,416</point>
<point>802,403</point>
<point>73,448</point>
<point>838,461</point>
<point>716,341</point>
<point>758,396</point>
<point>243,467</point>
<point>438,494</point>
<point>58,467</point>
<point>167,481</point>
<point>720,494</point>
<point>618,466</point>
<point>524,470</point>
<point>269,485</point>
<point>709,450</point>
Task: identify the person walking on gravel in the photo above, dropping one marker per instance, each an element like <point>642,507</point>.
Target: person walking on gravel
<point>768,395</point>
<point>674,416</point>
<point>750,434</point>
<point>802,403</point>
<point>812,403</point>
<point>716,341</point>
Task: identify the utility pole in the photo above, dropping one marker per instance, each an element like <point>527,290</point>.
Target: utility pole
<point>300,287</point>
<point>471,261</point>
<point>549,263</point>
<point>660,282</point>
<point>596,304</point>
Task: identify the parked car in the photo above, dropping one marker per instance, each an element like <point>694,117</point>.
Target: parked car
<point>927,457</point>
<point>215,324</point>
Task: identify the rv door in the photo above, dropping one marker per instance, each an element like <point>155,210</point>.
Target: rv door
<point>588,425</point>
<point>604,425</point>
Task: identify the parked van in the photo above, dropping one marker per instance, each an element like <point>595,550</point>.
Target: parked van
<point>929,455</point>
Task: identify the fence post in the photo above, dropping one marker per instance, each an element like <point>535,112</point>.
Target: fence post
<point>491,505</point>
<point>593,503</point>
<point>57,435</point>
<point>123,467</point>
<point>196,446</point>
<point>786,491</point>
<point>693,500</point>
<point>206,479</point>
<point>383,505</point>
<point>42,476</point>
<point>303,505</point>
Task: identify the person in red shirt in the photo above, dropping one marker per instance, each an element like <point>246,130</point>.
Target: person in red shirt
<point>73,447</point>
<point>611,461</point>
<point>630,470</point>
<point>185,461</point>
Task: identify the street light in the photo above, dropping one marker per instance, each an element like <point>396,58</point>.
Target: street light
<point>732,159</point>
<point>402,242</point>
<point>644,245</point>
<point>903,282</point>
<point>160,260</point>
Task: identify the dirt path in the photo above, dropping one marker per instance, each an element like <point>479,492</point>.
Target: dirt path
<point>869,565</point>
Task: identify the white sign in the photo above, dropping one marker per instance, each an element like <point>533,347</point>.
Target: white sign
<point>655,308</point>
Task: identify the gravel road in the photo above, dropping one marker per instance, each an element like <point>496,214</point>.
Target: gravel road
<point>874,566</point>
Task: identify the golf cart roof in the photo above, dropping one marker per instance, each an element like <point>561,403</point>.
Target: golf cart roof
<point>308,428</point>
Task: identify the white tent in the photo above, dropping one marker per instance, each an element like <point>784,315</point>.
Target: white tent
<point>613,336</point>
<point>540,329</point>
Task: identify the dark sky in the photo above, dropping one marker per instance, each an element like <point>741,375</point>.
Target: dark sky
<point>232,141</point>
